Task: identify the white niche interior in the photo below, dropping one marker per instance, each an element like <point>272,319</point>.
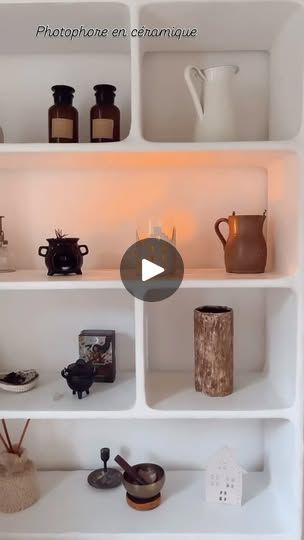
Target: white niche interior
<point>265,332</point>
<point>49,342</point>
<point>183,447</point>
<point>260,38</point>
<point>31,65</point>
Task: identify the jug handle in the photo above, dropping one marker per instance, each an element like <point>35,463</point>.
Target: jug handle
<point>187,74</point>
<point>218,232</point>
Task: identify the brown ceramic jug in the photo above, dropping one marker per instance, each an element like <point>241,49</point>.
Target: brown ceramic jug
<point>245,248</point>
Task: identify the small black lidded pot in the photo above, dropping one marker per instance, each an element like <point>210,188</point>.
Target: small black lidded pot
<point>79,377</point>
<point>63,117</point>
<point>63,255</point>
<point>105,116</point>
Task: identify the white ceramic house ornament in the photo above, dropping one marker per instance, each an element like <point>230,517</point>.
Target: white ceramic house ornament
<point>224,478</point>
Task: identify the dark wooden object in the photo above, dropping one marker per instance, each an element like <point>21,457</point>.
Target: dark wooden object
<point>213,349</point>
<point>131,471</point>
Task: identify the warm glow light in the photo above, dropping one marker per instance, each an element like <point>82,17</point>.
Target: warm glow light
<point>185,222</point>
<point>109,195</point>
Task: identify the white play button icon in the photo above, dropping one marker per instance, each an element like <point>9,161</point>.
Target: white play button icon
<point>149,270</point>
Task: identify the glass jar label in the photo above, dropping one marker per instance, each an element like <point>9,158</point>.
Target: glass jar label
<point>62,128</point>
<point>102,128</point>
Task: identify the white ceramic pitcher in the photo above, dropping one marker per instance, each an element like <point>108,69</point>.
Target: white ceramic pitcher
<point>215,106</point>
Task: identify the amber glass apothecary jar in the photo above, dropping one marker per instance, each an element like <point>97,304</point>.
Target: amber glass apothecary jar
<point>63,117</point>
<point>105,116</point>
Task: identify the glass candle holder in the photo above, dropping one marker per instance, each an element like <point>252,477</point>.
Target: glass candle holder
<point>156,229</point>
<point>161,253</point>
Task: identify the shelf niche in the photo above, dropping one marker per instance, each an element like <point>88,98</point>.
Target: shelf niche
<point>268,87</point>
<point>183,449</point>
<point>31,65</point>
<point>265,331</point>
<point>190,190</point>
<point>50,342</point>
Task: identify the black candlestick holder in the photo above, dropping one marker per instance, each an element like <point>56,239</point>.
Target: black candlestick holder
<point>106,478</point>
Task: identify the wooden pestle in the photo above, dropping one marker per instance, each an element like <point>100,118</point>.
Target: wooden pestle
<point>129,470</point>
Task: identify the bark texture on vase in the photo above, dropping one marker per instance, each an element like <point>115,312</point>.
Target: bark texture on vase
<point>213,349</point>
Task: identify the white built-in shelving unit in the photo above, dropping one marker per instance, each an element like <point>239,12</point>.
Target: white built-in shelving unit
<point>103,193</point>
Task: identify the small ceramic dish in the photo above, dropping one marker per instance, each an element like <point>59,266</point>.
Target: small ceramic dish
<point>19,381</point>
<point>146,491</point>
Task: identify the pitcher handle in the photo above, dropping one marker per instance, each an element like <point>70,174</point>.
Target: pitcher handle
<point>187,74</point>
<point>218,232</point>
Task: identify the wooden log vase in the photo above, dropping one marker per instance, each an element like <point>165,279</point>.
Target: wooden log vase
<point>213,350</point>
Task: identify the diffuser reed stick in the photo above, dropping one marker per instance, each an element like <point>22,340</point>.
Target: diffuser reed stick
<point>13,449</point>
<point>4,443</point>
<point>7,437</point>
<point>22,436</point>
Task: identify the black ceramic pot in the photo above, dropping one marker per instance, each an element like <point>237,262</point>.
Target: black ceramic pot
<point>63,256</point>
<point>79,376</point>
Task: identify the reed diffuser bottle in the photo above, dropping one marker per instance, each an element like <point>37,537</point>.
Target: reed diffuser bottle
<point>18,481</point>
<point>63,117</point>
<point>105,116</point>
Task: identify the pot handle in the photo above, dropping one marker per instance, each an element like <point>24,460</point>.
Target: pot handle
<point>218,232</point>
<point>86,250</point>
<point>41,249</point>
<point>64,373</point>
